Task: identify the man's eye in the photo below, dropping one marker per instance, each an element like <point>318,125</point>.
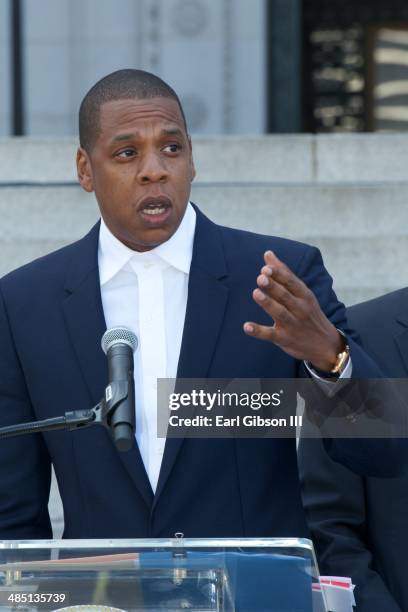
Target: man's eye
<point>172,148</point>
<point>126,153</point>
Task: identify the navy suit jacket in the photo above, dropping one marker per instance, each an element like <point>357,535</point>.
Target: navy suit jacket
<point>360,525</point>
<point>51,323</point>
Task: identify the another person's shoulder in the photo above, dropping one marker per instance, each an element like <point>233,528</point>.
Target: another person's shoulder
<point>382,308</point>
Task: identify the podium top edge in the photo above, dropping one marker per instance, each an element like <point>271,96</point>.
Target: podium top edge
<point>171,543</point>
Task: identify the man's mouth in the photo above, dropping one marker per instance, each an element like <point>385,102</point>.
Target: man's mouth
<point>155,208</point>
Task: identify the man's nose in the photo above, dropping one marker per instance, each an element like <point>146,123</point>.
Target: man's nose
<point>152,169</point>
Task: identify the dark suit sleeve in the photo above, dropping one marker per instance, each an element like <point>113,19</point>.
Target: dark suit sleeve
<point>334,500</point>
<point>25,466</point>
<point>313,273</point>
<point>370,457</point>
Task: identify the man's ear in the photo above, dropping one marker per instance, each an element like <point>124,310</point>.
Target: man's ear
<point>84,170</point>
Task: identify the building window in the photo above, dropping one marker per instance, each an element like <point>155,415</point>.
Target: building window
<point>355,65</point>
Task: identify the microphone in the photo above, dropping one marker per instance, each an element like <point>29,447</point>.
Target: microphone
<point>119,344</point>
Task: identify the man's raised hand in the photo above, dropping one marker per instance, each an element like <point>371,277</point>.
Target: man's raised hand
<point>299,326</point>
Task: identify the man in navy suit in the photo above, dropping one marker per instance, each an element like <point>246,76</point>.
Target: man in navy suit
<point>359,525</point>
<point>200,316</point>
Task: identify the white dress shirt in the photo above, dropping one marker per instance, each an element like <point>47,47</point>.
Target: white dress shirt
<point>147,292</point>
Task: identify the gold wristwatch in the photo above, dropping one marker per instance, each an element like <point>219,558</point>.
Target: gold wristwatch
<point>342,359</point>
<point>340,365</point>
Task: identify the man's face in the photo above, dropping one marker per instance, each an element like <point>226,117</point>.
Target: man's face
<point>140,169</point>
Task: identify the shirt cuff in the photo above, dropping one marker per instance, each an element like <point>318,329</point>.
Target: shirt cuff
<point>329,384</point>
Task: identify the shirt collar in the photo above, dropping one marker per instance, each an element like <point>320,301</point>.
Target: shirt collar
<point>177,252</point>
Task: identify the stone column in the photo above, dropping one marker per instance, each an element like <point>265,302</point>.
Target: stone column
<point>284,66</point>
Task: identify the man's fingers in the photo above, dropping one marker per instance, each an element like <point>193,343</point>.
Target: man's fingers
<point>282,275</point>
<point>277,311</point>
<point>278,292</point>
<point>262,332</point>
<point>267,270</point>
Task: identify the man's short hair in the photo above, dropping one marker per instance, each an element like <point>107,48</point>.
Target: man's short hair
<point>119,85</point>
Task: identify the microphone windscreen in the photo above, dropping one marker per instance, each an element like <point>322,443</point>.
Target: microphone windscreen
<point>118,335</point>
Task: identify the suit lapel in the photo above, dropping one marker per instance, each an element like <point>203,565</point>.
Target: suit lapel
<point>84,315</point>
<point>207,299</point>
<point>401,338</point>
<point>85,322</point>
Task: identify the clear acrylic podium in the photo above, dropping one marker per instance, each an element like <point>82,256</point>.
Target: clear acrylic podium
<point>223,575</point>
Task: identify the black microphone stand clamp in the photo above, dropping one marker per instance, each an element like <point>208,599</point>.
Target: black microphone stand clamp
<point>100,414</point>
